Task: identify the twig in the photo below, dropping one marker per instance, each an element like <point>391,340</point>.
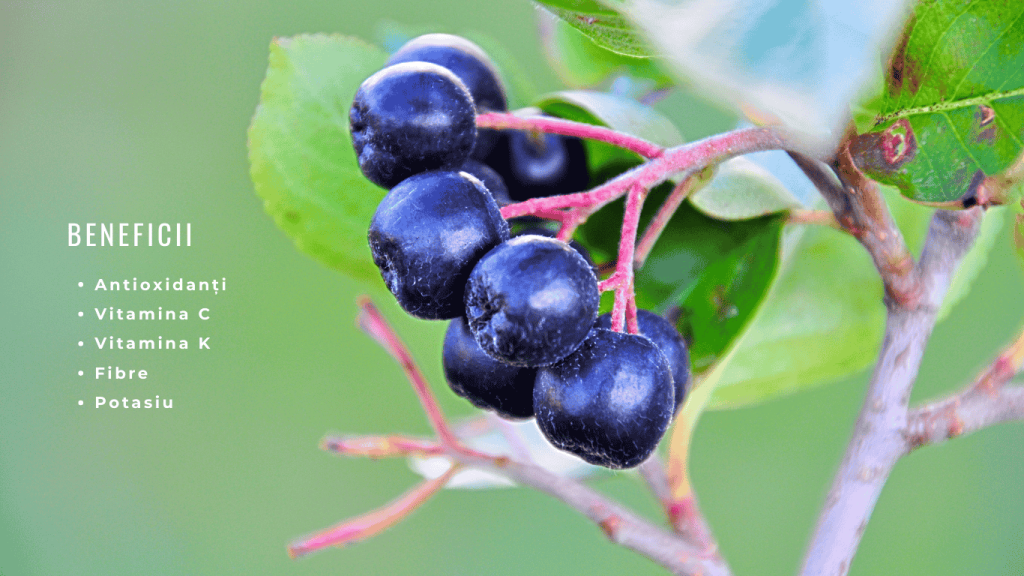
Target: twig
<point>374,324</point>
<point>969,411</point>
<point>549,125</point>
<point>817,217</point>
<point>683,160</point>
<point>683,514</point>
<point>985,403</point>
<point>879,436</point>
<point>619,524</point>
<point>860,209</point>
<point>661,218</point>
<point>380,446</point>
<point>624,308</point>
<point>372,523</point>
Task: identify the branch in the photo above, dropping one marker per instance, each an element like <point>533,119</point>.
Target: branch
<point>879,436</point>
<point>371,322</point>
<point>374,522</point>
<point>619,524</point>
<point>985,403</point>
<point>969,411</point>
<point>859,207</point>
<point>660,220</point>
<point>683,514</point>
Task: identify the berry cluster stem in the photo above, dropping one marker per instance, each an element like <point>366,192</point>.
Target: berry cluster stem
<point>572,210</point>
<point>624,309</point>
<point>550,125</point>
<point>660,220</point>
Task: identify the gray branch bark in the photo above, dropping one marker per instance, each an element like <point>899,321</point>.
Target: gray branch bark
<point>913,296</point>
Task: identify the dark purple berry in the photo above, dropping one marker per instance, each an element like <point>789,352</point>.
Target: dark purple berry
<point>484,381</point>
<point>427,235</point>
<point>471,64</point>
<point>545,165</point>
<point>492,181</point>
<point>609,402</point>
<point>539,231</point>
<point>411,118</point>
<point>531,301</point>
<point>665,336</point>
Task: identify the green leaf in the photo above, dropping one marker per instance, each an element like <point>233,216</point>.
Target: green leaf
<point>715,309</point>
<point>824,318</point>
<point>741,190</point>
<point>790,62</point>
<point>603,25</point>
<point>696,260</point>
<point>301,158</point>
<point>952,109</point>
<point>617,112</point>
<point>580,62</point>
<point>622,114</point>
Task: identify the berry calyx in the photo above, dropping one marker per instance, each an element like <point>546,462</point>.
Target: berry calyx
<point>609,402</point>
<point>426,236</point>
<point>531,301</point>
<point>410,118</point>
<point>484,381</point>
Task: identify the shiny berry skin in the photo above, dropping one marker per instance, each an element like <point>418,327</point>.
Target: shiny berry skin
<point>538,231</point>
<point>491,179</point>
<point>484,381</point>
<point>665,336</point>
<point>465,59</point>
<point>471,64</point>
<point>545,165</point>
<point>531,301</point>
<point>427,235</point>
<point>609,402</point>
<point>411,118</point>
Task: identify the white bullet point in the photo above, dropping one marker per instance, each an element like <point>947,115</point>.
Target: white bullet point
<point>80,343</point>
<point>80,284</point>
<point>80,373</point>
<point>80,402</point>
<point>80,314</point>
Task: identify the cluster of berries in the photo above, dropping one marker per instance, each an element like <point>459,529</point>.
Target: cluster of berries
<point>525,339</point>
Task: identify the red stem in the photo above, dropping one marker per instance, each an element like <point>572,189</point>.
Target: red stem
<point>684,160</point>
<point>624,309</point>
<point>506,121</point>
<point>374,522</point>
<point>660,221</point>
<point>371,321</point>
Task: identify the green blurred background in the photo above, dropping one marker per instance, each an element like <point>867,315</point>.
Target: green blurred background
<point>136,112</point>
